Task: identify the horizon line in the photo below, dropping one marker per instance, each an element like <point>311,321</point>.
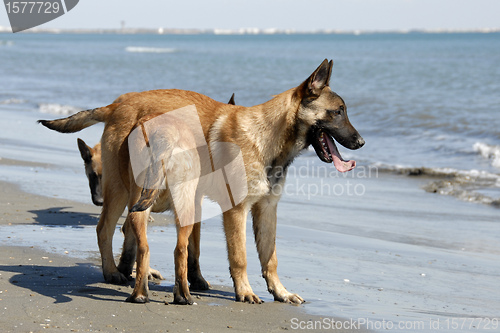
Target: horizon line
<point>249,31</point>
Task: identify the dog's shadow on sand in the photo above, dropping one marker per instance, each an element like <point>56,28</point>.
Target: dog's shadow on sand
<point>84,280</point>
<point>63,216</point>
<point>63,284</point>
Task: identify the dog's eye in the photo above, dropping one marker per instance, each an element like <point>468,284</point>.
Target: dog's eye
<point>336,112</point>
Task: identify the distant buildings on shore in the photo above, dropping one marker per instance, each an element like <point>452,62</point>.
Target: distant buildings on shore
<point>241,31</point>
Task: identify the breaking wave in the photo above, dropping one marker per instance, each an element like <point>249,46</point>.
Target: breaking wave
<point>490,152</point>
<point>58,109</point>
<point>467,185</point>
<point>12,101</point>
<point>141,49</point>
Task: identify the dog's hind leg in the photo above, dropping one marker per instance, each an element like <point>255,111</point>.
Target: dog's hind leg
<point>183,183</point>
<point>137,221</point>
<point>196,280</point>
<point>264,227</point>
<point>181,288</point>
<point>113,207</point>
<point>235,230</point>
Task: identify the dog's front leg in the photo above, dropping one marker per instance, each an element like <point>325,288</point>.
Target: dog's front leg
<point>195,278</point>
<point>111,211</point>
<point>235,230</point>
<point>264,227</point>
<point>129,251</point>
<point>137,221</point>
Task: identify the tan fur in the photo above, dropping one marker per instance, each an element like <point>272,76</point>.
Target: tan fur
<point>93,164</point>
<point>93,171</point>
<point>269,135</point>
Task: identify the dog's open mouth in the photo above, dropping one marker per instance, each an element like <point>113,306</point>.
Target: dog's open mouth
<point>327,151</point>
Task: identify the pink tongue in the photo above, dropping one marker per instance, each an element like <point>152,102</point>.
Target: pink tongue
<point>338,161</point>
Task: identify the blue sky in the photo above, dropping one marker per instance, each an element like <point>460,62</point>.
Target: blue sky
<point>282,14</point>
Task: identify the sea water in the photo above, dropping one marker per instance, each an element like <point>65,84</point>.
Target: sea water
<point>412,234</point>
<point>426,104</point>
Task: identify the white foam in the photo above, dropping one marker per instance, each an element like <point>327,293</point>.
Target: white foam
<point>12,101</point>
<point>437,172</point>
<point>490,152</point>
<point>59,109</point>
<point>141,49</point>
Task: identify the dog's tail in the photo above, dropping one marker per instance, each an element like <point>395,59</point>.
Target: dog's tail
<point>151,180</point>
<point>147,199</point>
<point>80,120</point>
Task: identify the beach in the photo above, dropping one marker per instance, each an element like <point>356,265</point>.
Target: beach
<point>56,291</point>
<point>364,267</point>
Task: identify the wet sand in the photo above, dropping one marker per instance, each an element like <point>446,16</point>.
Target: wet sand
<point>364,245</point>
<point>42,291</point>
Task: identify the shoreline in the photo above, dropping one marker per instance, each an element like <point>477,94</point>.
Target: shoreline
<point>42,290</point>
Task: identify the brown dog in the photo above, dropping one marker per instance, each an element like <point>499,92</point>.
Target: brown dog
<point>93,170</point>
<point>269,136</point>
<point>92,160</point>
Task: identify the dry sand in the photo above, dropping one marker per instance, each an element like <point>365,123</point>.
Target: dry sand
<point>42,291</point>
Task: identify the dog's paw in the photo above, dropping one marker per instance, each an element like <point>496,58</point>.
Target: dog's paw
<point>154,274</point>
<point>182,295</point>
<point>183,299</point>
<point>138,299</point>
<point>126,270</point>
<point>249,297</point>
<point>115,278</point>
<point>199,284</point>
<point>287,297</point>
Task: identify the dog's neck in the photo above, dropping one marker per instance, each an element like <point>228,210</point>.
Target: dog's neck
<point>280,139</point>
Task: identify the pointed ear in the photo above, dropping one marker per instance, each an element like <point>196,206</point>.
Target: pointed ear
<point>319,79</point>
<point>85,151</point>
<point>330,68</point>
<point>231,100</point>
